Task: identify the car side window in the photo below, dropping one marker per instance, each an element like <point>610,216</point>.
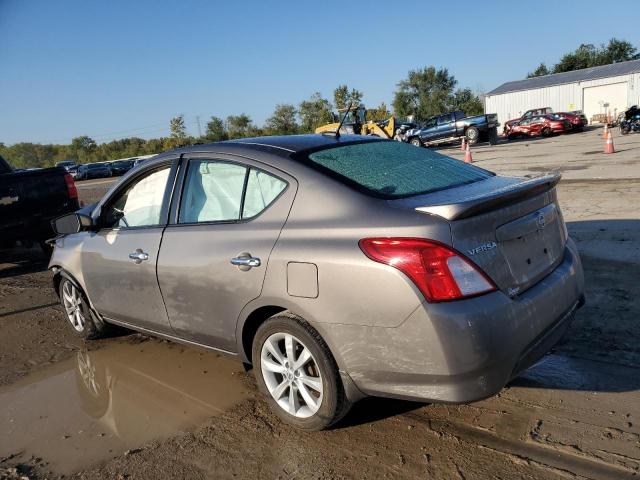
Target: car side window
<point>140,204</point>
<point>214,190</point>
<point>430,123</point>
<point>262,190</point>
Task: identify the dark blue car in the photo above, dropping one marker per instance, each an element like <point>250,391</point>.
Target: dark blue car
<point>93,170</point>
<point>451,127</point>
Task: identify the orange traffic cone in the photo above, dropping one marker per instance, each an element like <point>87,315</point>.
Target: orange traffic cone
<point>605,131</point>
<point>467,155</point>
<point>608,144</point>
<point>464,142</point>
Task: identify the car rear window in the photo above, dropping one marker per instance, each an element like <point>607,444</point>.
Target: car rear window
<point>393,169</point>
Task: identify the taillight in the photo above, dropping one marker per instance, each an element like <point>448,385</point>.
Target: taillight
<point>439,272</point>
<point>71,186</point>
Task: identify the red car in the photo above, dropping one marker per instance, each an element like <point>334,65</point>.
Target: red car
<point>540,125</point>
<point>578,119</point>
<point>527,115</point>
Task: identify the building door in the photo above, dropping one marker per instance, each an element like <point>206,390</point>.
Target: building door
<point>595,99</point>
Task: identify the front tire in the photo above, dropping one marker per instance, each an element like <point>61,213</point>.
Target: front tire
<point>297,374</point>
<point>82,322</point>
<point>416,142</point>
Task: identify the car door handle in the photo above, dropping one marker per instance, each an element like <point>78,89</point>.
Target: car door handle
<point>246,261</point>
<point>139,256</point>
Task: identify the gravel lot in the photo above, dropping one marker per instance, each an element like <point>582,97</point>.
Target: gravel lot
<point>134,407</point>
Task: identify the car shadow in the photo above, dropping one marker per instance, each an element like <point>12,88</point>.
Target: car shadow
<point>374,409</point>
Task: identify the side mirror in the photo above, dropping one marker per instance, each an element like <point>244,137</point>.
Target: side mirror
<point>71,223</point>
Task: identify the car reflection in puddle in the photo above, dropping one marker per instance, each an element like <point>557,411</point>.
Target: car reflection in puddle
<point>98,405</point>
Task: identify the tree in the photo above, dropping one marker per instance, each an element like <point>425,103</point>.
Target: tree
<point>467,101</point>
<point>588,55</point>
<point>618,51</point>
<point>378,114</point>
<point>239,126</point>
<point>83,143</point>
<point>314,112</point>
<point>584,56</point>
<point>81,148</point>
<point>216,130</point>
<point>425,93</point>
<point>540,71</point>
<point>178,128</point>
<point>282,121</point>
<point>342,97</point>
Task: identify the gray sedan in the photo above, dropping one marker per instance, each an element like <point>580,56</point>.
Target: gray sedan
<point>337,267</point>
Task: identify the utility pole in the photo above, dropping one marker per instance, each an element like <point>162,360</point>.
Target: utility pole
<point>199,127</point>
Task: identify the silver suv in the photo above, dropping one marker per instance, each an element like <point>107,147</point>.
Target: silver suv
<point>338,267</point>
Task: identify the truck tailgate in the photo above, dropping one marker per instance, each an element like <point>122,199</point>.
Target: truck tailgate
<point>33,197</point>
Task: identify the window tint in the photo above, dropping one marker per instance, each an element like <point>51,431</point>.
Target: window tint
<point>430,123</point>
<point>140,204</point>
<point>212,192</point>
<point>392,169</point>
<point>262,189</point>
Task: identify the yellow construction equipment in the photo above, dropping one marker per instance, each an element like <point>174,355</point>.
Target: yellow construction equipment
<point>356,123</point>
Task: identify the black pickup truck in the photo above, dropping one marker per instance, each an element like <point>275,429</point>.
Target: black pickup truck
<point>30,199</point>
<point>451,127</point>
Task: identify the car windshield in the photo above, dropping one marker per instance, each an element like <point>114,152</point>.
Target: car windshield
<point>122,163</point>
<point>390,169</point>
<point>94,166</point>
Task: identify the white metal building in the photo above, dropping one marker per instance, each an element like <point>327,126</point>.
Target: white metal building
<point>597,90</point>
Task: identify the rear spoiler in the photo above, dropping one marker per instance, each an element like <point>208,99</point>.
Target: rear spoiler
<point>492,199</point>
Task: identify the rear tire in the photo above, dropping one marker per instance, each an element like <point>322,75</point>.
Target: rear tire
<point>297,374</point>
<point>546,132</point>
<point>473,135</point>
<point>80,319</point>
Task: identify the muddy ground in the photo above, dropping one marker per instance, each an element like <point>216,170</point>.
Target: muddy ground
<point>134,407</point>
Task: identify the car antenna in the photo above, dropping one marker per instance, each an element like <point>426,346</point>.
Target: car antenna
<point>337,132</point>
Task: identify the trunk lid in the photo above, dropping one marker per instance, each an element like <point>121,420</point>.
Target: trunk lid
<point>512,228</point>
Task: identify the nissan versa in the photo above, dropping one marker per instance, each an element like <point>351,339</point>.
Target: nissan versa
<point>337,267</point>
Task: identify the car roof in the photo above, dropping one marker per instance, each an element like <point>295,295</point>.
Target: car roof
<point>283,144</point>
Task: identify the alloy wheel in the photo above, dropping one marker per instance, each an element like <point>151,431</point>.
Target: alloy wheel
<point>291,375</point>
<point>72,301</point>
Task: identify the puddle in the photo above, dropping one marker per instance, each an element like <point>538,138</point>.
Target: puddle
<point>100,404</point>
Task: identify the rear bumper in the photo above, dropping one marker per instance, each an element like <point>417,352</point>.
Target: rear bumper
<point>462,351</point>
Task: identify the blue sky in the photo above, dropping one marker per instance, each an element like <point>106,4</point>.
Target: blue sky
<point>111,69</point>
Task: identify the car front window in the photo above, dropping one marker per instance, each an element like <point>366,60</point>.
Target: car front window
<point>140,204</point>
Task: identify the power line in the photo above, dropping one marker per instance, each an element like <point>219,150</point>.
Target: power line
<point>115,135</point>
